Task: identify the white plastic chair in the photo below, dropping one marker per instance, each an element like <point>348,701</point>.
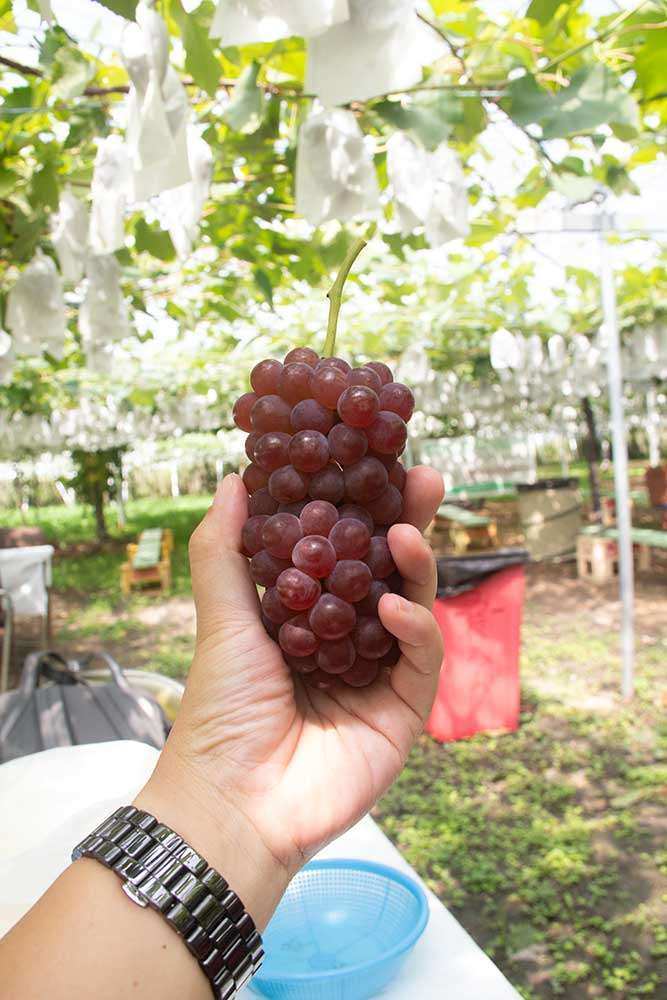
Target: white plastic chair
<point>25,575</point>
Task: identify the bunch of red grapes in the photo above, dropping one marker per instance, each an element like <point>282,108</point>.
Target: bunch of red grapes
<point>325,485</point>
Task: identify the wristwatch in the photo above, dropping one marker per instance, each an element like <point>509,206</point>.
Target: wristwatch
<point>161,871</point>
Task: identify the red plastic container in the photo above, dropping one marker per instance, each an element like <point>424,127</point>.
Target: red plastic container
<point>479,681</point>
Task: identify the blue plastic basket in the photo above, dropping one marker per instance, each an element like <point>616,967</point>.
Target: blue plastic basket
<point>341,932</point>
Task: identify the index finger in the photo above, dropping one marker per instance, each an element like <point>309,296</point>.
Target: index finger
<point>423,493</point>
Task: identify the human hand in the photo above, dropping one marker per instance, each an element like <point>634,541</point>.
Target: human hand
<point>281,764</point>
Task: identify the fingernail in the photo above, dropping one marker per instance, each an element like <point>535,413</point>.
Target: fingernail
<point>224,487</point>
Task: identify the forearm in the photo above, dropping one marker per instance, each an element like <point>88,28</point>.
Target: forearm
<point>86,938</point>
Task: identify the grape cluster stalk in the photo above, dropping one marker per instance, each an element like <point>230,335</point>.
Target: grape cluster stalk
<point>325,484</point>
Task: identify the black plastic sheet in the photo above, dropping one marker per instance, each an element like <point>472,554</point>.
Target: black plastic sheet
<point>456,574</point>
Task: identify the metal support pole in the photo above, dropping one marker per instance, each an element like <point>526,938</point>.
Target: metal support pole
<point>652,427</point>
<point>620,454</point>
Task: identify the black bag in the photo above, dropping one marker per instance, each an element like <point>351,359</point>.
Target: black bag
<point>69,710</point>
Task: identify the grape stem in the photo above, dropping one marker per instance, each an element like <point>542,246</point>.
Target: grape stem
<point>335,295</point>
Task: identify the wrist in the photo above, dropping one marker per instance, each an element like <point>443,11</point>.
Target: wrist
<point>216,828</point>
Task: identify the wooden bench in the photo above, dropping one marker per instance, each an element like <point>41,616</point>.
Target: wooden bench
<point>597,550</point>
<point>466,528</point>
<point>148,561</point>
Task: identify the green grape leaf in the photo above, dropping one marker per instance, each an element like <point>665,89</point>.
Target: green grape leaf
<point>126,8</point>
<point>153,240</point>
<point>8,181</point>
<point>429,121</point>
<point>651,64</point>
<point>246,109</point>
<point>594,97</point>
<point>71,73</point>
<point>44,189</point>
<point>263,282</point>
<point>200,60</point>
<point>7,22</point>
<point>543,10</point>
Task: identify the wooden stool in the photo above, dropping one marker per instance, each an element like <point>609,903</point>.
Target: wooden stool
<point>597,558</point>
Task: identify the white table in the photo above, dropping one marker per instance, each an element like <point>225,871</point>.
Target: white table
<point>51,800</point>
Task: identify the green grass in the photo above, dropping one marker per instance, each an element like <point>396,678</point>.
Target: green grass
<point>547,844</point>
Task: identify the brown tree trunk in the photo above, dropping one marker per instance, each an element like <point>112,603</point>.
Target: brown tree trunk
<point>593,454</point>
<point>100,522</point>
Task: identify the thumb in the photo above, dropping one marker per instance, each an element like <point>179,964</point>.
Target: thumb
<point>224,594</point>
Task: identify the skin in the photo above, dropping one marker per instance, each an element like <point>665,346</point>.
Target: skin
<point>260,770</point>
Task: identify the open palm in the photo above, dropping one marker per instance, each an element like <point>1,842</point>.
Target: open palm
<point>301,764</point>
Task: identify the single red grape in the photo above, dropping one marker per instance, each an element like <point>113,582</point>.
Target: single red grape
<point>361,673</point>
<point>388,507</point>
<point>395,582</point>
<point>262,502</point>
<point>296,639</point>
<point>302,664</point>
<point>250,443</point>
<point>273,608</point>
<point>332,617</point>
<point>265,568</point>
<point>338,363</point>
<point>318,518</point>
<point>365,480</point>
<point>271,627</point>
<point>335,656</point>
<point>314,555</point>
<point>242,409</point>
<point>358,406</point>
<point>295,382</point>
<point>398,475</point>
<point>305,355</point>
<point>387,460</point>
<point>369,604</point>
<point>365,376</point>
<point>350,579</point>
<point>391,658</point>
<point>309,451</point>
<point>379,559</point>
<point>355,511</point>
<point>297,590</point>
<point>287,484</point>
<point>254,478</point>
<point>292,508</point>
<point>280,534</point>
<point>350,538</point>
<point>397,397</point>
<point>271,413</point>
<point>309,415</point>
<point>347,444</point>
<point>371,639</point>
<point>327,484</point>
<point>272,450</point>
<point>265,376</point>
<point>384,371</point>
<point>327,385</point>
<point>387,434</point>
<point>251,534</point>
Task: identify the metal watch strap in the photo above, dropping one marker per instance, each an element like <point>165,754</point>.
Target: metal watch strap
<point>159,869</point>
